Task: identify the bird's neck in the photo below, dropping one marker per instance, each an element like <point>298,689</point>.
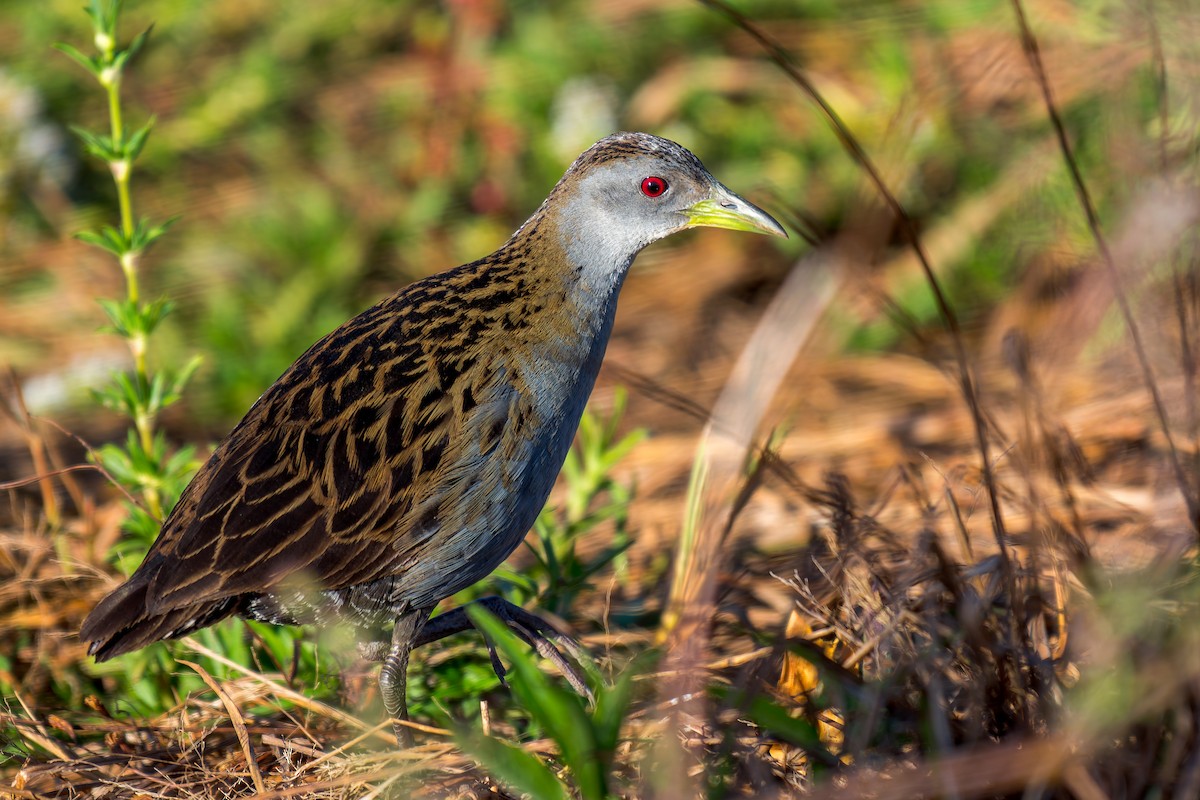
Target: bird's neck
<point>580,270</point>
<point>552,314</point>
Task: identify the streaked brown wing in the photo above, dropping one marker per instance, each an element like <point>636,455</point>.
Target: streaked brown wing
<point>329,472</point>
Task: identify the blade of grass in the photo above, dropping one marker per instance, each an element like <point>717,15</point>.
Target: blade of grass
<point>238,722</point>
<point>517,769</point>
<point>558,711</point>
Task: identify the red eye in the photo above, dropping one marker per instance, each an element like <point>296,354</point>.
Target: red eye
<point>653,186</point>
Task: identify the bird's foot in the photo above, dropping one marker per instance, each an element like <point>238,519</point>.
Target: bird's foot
<point>393,675</point>
<point>530,628</point>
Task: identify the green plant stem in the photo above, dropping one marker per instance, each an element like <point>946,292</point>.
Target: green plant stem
<point>121,170</point>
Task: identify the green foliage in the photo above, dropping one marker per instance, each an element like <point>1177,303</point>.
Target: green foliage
<point>121,245</point>
<point>285,278</point>
<point>157,471</point>
<point>455,684</point>
<point>149,682</point>
<point>586,742</point>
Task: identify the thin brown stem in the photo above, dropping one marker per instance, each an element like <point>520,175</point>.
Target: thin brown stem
<point>909,229</point>
<point>1033,54</point>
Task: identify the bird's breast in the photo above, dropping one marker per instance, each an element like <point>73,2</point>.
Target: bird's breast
<point>514,443</point>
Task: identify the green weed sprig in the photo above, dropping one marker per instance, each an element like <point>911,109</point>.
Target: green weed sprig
<point>587,740</point>
<point>148,681</point>
<point>143,464</point>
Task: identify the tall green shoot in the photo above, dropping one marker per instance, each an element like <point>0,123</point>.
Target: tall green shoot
<point>144,464</point>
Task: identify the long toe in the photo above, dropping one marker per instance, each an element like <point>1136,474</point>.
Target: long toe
<point>529,627</point>
<point>545,639</point>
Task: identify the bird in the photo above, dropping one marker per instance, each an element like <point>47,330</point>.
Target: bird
<point>407,453</point>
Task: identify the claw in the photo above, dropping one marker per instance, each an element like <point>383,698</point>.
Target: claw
<point>530,628</point>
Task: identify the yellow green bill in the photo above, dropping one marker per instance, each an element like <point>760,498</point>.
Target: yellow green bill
<point>728,210</point>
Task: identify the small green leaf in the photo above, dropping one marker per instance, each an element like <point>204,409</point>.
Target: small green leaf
<point>116,461</point>
<point>770,716</point>
<point>142,529</point>
<point>154,397</point>
<point>104,16</point>
<point>123,315</point>
<point>612,704</point>
<point>115,398</point>
<point>97,144</point>
<point>177,471</point>
<point>92,65</point>
<point>147,317</point>
<point>137,140</point>
<point>618,451</point>
<point>107,238</point>
<point>134,391</point>
<point>145,234</point>
<point>134,47</point>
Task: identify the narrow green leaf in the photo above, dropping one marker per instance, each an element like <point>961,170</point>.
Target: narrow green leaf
<point>134,391</point>
<point>137,140</point>
<point>150,315</point>
<point>145,234</point>
<point>518,770</point>
<point>96,13</point>
<point>770,716</point>
<point>98,145</point>
<point>136,45</point>
<point>116,461</point>
<point>522,581</point>
<point>107,239</point>
<point>618,451</point>
<point>612,703</point>
<point>117,241</point>
<point>105,16</point>
<point>176,473</point>
<point>120,313</point>
<point>115,398</point>
<point>92,65</point>
<point>181,378</point>
<point>558,711</point>
<point>551,557</point>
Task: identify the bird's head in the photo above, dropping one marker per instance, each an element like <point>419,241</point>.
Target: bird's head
<point>631,189</point>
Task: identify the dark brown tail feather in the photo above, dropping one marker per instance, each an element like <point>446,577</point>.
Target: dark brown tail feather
<point>119,623</point>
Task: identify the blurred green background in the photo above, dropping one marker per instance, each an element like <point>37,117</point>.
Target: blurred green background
<point>322,154</point>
